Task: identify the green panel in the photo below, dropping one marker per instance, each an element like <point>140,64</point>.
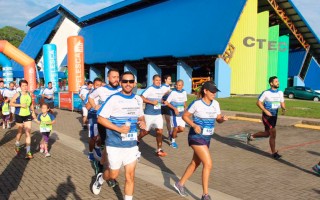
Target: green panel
<point>262,52</point>
<point>283,61</point>
<point>273,51</point>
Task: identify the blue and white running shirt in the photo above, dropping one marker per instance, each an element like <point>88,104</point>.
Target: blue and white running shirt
<point>104,92</point>
<point>9,93</point>
<point>83,95</point>
<point>271,100</point>
<point>120,109</point>
<point>177,98</point>
<point>204,115</point>
<point>153,93</point>
<point>165,88</point>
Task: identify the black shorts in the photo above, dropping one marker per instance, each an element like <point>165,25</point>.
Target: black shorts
<point>269,122</point>
<point>103,134</point>
<point>21,119</point>
<point>165,110</point>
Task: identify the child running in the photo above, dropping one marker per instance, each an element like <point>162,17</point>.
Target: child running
<point>45,119</point>
<point>5,112</point>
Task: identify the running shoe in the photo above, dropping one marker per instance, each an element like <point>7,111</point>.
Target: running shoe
<point>17,149</point>
<point>29,155</point>
<point>47,154</point>
<point>91,157</point>
<point>161,153</point>
<point>249,138</point>
<point>3,126</point>
<point>112,183</point>
<point>316,169</point>
<point>181,190</point>
<point>206,197</point>
<point>276,156</point>
<point>96,187</point>
<point>174,145</point>
<point>41,150</point>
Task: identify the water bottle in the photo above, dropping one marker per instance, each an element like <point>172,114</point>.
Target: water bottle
<point>128,123</point>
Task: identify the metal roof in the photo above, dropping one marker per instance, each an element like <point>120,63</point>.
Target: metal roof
<point>299,22</point>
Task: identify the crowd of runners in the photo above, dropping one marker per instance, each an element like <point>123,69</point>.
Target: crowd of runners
<point>117,120</point>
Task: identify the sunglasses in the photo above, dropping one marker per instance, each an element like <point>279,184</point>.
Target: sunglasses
<point>127,81</point>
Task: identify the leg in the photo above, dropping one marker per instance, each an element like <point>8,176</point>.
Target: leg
<point>129,173</point>
<point>174,132</point>
<point>142,134</point>
<point>272,140</point>
<point>261,134</point>
<point>159,137</point>
<point>195,162</point>
<point>27,128</point>
<point>167,119</point>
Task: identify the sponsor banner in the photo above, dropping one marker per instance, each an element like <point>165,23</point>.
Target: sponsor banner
<point>65,99</point>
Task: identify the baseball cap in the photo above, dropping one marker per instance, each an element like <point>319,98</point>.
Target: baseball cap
<point>211,86</point>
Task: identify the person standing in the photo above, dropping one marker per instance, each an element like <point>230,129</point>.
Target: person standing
<point>10,92</point>
<point>152,97</point>
<point>165,110</point>
<point>205,112</point>
<point>48,95</point>
<point>269,102</point>
<point>24,113</point>
<point>177,103</point>
<point>120,115</point>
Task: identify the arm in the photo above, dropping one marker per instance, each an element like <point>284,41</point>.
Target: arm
<point>145,100</point>
<point>109,125</point>
<point>93,104</point>
<point>260,105</point>
<point>221,118</point>
<point>172,107</point>
<point>186,117</point>
<point>283,106</point>
<point>13,101</point>
<point>142,123</point>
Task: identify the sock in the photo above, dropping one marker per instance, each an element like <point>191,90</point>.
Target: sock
<point>101,180</point>
<point>17,143</point>
<point>173,140</point>
<point>28,149</point>
<point>127,197</point>
<point>159,149</point>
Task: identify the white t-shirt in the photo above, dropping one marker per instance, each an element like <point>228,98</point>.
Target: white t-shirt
<point>9,93</point>
<point>177,99</point>
<point>83,94</point>
<point>153,93</point>
<point>48,92</point>
<point>271,100</point>
<point>104,92</point>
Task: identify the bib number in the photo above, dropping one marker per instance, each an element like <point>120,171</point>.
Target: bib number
<point>157,107</point>
<point>275,105</point>
<point>130,136</point>
<point>207,131</point>
<point>180,108</point>
<point>6,113</point>
<point>45,129</point>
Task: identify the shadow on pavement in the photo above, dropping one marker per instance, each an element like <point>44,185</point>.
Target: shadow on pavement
<point>240,144</point>
<point>64,189</point>
<point>314,153</point>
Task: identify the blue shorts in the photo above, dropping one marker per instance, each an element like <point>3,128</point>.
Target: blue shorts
<point>198,140</point>
<point>93,126</point>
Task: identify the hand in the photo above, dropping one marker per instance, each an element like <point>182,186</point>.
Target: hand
<point>197,129</point>
<point>23,105</point>
<point>176,111</point>
<point>224,118</point>
<point>283,111</point>
<point>124,129</point>
<point>155,102</point>
<point>268,113</point>
<point>97,107</point>
<point>142,125</point>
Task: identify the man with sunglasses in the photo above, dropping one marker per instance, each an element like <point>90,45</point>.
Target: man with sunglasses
<point>120,115</point>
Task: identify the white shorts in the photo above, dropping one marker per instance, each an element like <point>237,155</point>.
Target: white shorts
<point>153,121</point>
<point>12,109</point>
<point>84,111</point>
<point>177,121</point>
<point>122,156</point>
<point>93,130</point>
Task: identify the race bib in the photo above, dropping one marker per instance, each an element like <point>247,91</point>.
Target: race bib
<point>275,105</point>
<point>130,136</point>
<point>180,108</point>
<point>45,129</point>
<point>207,131</point>
<point>157,107</point>
<point>5,113</point>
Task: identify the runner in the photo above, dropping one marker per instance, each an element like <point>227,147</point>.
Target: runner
<point>177,102</point>
<point>48,95</point>
<point>152,97</point>
<point>165,110</point>
<point>121,114</point>
<point>5,112</point>
<point>10,92</point>
<point>24,113</point>
<point>269,102</point>
<point>103,93</point>
<point>205,112</point>
<point>83,95</point>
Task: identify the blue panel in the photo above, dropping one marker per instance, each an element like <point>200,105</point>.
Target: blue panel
<point>297,81</point>
<point>222,78</point>
<point>93,73</point>
<point>171,28</point>
<point>128,67</point>
<point>56,100</point>
<point>153,69</point>
<point>296,59</point>
<point>312,78</point>
<point>184,72</point>
<point>77,102</point>
<point>35,38</point>
<point>50,65</point>
<point>7,69</point>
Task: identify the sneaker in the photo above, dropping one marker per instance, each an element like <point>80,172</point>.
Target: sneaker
<point>47,154</point>
<point>9,125</point>
<point>276,155</point>
<point>249,138</point>
<point>316,169</point>
<point>180,189</point>
<point>112,183</point>
<point>3,126</point>
<point>96,187</point>
<point>206,197</point>
<point>41,150</point>
<point>17,149</point>
<point>91,157</point>
<point>174,145</point>
<point>29,155</point>
<point>161,153</point>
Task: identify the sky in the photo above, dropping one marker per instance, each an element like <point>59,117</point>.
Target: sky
<point>17,13</point>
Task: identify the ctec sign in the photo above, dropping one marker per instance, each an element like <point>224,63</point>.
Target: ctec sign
<point>263,43</point>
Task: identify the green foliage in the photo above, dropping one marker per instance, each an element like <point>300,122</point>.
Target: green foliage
<point>139,85</point>
<point>12,35</point>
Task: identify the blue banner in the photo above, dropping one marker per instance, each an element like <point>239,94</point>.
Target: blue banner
<point>50,65</point>
<point>77,102</point>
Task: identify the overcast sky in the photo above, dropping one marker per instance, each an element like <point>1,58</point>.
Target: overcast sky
<point>17,13</point>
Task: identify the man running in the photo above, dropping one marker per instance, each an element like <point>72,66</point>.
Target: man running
<point>269,102</point>
<point>152,97</point>
<point>165,110</point>
<point>24,113</point>
<point>120,115</point>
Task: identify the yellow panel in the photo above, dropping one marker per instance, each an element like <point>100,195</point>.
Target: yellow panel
<point>243,62</point>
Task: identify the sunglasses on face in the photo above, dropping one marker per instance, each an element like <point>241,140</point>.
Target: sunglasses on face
<point>127,81</point>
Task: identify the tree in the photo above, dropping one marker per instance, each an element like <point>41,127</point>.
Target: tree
<point>12,35</point>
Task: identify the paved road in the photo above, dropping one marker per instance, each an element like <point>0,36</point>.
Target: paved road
<point>240,171</point>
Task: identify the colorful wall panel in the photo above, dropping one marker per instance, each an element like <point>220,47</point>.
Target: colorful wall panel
<point>273,52</point>
<point>312,78</point>
<point>243,63</point>
<point>283,61</point>
<point>296,60</point>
